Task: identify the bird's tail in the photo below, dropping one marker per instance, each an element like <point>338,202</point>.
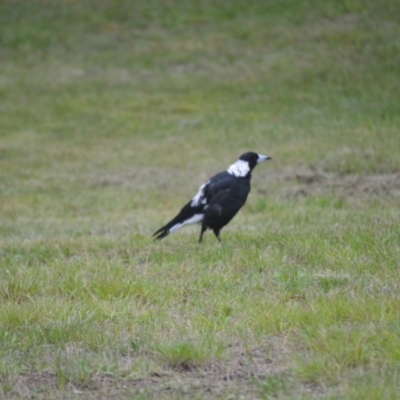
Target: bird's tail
<point>161,233</point>
<point>172,226</point>
<point>168,228</point>
<point>188,215</point>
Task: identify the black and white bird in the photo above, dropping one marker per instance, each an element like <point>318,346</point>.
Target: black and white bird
<point>218,200</point>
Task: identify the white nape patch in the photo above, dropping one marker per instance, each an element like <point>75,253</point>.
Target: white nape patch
<point>193,220</point>
<point>200,196</point>
<point>240,169</point>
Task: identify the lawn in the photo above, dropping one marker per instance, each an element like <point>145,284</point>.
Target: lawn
<point>113,113</point>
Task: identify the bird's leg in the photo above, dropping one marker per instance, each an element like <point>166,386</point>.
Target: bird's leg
<point>216,233</point>
<point>203,228</point>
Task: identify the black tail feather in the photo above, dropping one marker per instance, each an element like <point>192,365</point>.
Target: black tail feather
<point>187,212</point>
<point>161,233</point>
<point>164,230</point>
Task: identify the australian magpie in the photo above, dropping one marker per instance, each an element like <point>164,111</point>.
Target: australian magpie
<point>218,200</point>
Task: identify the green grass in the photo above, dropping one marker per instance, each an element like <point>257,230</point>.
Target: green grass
<point>113,113</point>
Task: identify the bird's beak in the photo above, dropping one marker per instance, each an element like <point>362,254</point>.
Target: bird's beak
<point>262,158</point>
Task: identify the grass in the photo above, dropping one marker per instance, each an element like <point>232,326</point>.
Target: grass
<point>113,114</point>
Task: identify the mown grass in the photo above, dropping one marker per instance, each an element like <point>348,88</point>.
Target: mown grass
<point>113,114</point>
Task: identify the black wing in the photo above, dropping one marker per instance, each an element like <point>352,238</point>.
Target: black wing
<point>221,182</point>
<point>227,195</point>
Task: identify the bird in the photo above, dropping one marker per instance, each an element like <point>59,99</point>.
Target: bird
<point>218,200</point>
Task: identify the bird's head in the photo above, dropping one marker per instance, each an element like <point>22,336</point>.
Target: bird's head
<point>246,163</point>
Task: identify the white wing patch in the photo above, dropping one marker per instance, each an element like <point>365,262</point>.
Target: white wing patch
<point>200,197</point>
<point>192,220</point>
<point>239,169</point>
